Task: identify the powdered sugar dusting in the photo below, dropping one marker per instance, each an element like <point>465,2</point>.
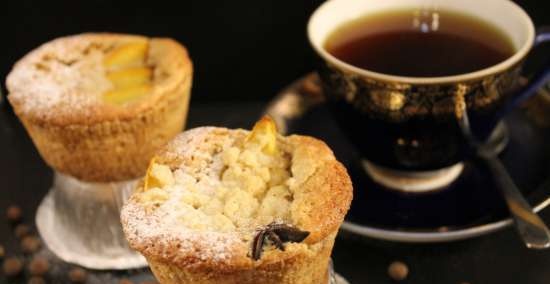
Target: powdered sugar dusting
<point>209,192</point>
<point>200,138</point>
<point>172,240</point>
<point>62,77</point>
<point>167,224</point>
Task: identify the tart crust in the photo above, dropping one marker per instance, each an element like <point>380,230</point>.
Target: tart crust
<point>78,134</point>
<point>299,266</point>
<point>322,198</point>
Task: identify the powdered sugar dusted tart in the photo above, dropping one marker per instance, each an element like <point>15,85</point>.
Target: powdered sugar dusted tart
<point>211,197</point>
<point>97,106</point>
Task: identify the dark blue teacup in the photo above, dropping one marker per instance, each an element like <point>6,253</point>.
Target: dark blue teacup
<point>407,126</point>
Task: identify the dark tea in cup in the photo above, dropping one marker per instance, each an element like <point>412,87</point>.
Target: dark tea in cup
<point>420,43</point>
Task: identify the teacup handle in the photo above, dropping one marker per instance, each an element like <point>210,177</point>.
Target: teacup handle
<point>536,82</point>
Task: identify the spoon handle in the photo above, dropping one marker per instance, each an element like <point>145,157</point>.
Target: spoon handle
<point>530,227</point>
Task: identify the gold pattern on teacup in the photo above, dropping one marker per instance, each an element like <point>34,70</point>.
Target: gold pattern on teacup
<point>391,100</point>
<point>395,101</point>
<point>459,101</point>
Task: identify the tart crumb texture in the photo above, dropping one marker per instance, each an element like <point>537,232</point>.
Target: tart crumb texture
<point>251,188</point>
<point>206,195</point>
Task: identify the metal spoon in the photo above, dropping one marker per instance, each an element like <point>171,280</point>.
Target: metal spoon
<point>530,227</point>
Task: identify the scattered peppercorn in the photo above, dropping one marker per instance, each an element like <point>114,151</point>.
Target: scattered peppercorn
<point>21,230</point>
<point>398,270</point>
<point>39,266</point>
<point>36,280</point>
<point>125,281</point>
<point>78,275</point>
<point>30,244</point>
<point>12,266</point>
<point>14,213</point>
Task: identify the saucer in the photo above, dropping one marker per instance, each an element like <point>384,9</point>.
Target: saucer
<point>470,206</point>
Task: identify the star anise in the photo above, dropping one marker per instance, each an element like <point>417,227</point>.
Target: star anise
<point>277,234</point>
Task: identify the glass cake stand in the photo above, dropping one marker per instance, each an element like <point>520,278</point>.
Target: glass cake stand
<point>79,222</point>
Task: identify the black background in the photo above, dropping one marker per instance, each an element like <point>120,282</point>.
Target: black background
<point>241,49</point>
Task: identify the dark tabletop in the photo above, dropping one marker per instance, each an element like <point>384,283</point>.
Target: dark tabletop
<point>496,258</point>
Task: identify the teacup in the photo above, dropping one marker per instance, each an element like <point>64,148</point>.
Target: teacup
<point>408,124</point>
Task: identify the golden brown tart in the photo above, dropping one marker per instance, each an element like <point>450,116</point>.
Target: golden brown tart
<point>97,106</point>
<point>233,206</point>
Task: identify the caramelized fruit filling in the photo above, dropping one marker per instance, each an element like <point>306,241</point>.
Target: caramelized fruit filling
<point>127,71</point>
